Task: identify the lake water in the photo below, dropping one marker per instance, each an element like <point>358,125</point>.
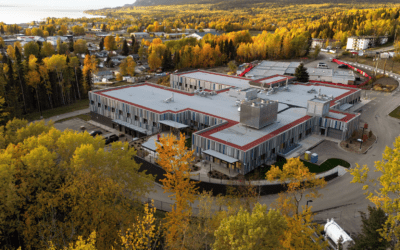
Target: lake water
<point>18,14</point>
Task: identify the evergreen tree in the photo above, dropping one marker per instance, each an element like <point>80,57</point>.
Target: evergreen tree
<point>176,60</point>
<point>2,29</point>
<point>167,61</point>
<point>71,46</point>
<point>369,238</point>
<point>301,73</point>
<point>125,49</point>
<point>232,50</point>
<point>12,92</point>
<point>101,45</point>
<point>133,43</point>
<point>108,60</point>
<point>226,48</point>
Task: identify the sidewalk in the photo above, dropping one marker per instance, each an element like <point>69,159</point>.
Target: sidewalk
<point>66,115</point>
<point>306,144</point>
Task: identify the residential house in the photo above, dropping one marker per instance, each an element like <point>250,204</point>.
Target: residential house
<point>200,35</point>
<point>364,42</point>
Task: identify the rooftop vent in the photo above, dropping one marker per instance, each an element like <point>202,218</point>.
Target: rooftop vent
<point>258,113</point>
<point>171,99</point>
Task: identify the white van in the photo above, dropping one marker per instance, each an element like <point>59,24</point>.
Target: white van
<point>322,65</point>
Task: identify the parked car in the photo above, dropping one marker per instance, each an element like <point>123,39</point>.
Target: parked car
<point>322,65</point>
<point>111,138</point>
<point>343,66</point>
<point>95,132</point>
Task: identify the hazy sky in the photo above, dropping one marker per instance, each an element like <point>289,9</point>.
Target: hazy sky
<point>67,4</point>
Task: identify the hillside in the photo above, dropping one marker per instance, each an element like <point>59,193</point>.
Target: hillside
<point>238,3</point>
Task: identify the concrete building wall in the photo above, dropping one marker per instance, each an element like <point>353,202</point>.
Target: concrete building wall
<point>187,84</point>
<point>104,110</point>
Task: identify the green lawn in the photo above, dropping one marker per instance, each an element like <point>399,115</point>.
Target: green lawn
<point>78,105</point>
<point>85,117</point>
<point>260,172</point>
<point>395,113</point>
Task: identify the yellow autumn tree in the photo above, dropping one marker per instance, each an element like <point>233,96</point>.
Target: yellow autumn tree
<point>109,43</point>
<point>297,180</point>
<point>56,186</point>
<point>175,158</point>
<point>80,244</point>
<point>33,78</point>
<point>89,68</point>
<point>154,61</point>
<point>385,191</point>
<point>144,233</point>
<point>259,229</point>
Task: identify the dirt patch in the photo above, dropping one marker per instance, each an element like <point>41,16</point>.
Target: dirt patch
<point>222,70</point>
<point>385,84</point>
<point>353,145</point>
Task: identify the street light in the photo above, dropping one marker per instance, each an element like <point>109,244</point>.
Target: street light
<point>308,202</point>
<point>361,141</point>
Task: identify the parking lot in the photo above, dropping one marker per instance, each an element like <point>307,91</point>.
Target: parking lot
<point>81,126</point>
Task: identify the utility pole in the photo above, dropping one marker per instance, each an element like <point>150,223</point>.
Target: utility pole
<point>394,43</point>
<point>384,67</point>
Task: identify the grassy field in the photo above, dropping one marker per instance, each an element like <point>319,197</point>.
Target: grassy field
<point>80,104</point>
<point>259,173</point>
<point>85,117</point>
<point>395,113</point>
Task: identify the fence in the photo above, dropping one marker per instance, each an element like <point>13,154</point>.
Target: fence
<point>358,70</point>
<point>219,186</point>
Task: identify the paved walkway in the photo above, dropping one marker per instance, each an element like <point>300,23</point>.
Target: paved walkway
<point>66,115</point>
<point>306,144</point>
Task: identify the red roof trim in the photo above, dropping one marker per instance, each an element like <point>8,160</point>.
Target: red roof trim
<point>344,119</point>
<point>269,77</point>
<point>207,134</point>
<point>213,73</point>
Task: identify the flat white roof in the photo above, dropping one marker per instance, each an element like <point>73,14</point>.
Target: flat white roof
<point>336,115</point>
<point>216,78</point>
<point>242,135</point>
<point>298,95</point>
<point>224,106</point>
<point>273,79</point>
<point>153,98</point>
<point>220,156</point>
<point>174,124</point>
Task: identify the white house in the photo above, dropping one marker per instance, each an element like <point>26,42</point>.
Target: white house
<point>138,35</point>
<point>99,76</point>
<point>200,35</point>
<point>322,42</point>
<point>364,42</point>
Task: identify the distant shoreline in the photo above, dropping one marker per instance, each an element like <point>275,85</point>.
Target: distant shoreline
<point>24,15</point>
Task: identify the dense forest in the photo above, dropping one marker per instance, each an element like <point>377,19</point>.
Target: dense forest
<point>42,77</point>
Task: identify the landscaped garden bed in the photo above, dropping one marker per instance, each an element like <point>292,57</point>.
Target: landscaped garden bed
<point>259,173</point>
<point>353,145</point>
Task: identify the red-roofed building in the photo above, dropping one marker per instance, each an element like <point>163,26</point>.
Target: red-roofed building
<point>271,124</point>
